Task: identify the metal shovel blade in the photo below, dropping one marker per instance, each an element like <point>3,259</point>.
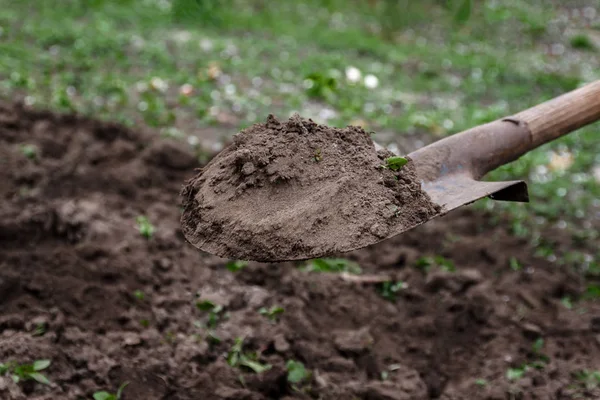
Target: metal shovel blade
<point>453,191</point>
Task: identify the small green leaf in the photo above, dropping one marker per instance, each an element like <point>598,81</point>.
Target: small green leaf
<point>29,151</point>
<point>566,301</point>
<point>205,305</point>
<point>235,266</point>
<point>3,368</point>
<point>395,163</point>
<point>537,345</point>
<point>463,13</point>
<point>254,365</point>
<point>145,227</point>
<point>41,365</point>
<point>515,265</point>
<point>481,382</point>
<point>515,373</point>
<point>103,396</point>
<point>39,377</point>
<point>139,294</point>
<point>296,371</point>
<point>592,292</point>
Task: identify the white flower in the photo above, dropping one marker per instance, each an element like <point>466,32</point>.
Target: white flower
<point>353,74</point>
<point>186,89</point>
<point>371,81</point>
<point>159,84</point>
<point>206,44</point>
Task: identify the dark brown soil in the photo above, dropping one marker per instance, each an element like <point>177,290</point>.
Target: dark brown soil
<point>72,259</point>
<point>297,190</point>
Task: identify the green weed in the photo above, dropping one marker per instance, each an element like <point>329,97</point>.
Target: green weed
<point>29,150</point>
<point>214,312</point>
<point>145,227</point>
<point>237,358</point>
<point>567,302</point>
<point>590,379</point>
<point>592,292</point>
<point>481,382</point>
<point>395,163</point>
<point>110,396</point>
<point>427,263</point>
<point>296,372</point>
<point>389,289</point>
<point>332,265</point>
<point>138,294</point>
<point>582,42</point>
<point>515,265</point>
<point>236,265</point>
<point>25,372</point>
<point>271,313</point>
<point>516,373</point>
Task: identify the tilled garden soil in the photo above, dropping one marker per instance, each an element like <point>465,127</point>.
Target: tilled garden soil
<point>80,285</point>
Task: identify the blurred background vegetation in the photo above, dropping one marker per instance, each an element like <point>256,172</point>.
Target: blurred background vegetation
<point>411,71</point>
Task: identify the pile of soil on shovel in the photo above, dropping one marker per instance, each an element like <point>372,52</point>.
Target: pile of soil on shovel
<point>81,286</point>
<point>284,191</point>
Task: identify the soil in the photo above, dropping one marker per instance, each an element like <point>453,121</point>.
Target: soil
<point>298,190</point>
<point>81,286</point>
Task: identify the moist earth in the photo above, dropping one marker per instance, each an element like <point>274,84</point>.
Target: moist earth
<point>81,286</point>
<point>296,190</point>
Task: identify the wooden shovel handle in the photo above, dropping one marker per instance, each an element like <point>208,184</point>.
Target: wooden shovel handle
<point>562,115</point>
<point>484,148</point>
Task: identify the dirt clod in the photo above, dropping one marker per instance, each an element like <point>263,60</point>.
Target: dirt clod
<point>297,189</point>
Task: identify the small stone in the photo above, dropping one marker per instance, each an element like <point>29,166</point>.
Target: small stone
<point>353,341</point>
<point>248,168</point>
<point>379,230</point>
<point>531,330</point>
<point>280,343</point>
<point>131,339</point>
<point>164,264</point>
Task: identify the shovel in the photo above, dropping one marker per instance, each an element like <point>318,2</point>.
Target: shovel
<point>450,169</point>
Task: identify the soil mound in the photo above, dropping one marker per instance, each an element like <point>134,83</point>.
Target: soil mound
<point>287,189</point>
<point>81,286</point>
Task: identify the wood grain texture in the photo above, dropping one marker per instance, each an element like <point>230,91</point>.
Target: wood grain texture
<point>563,114</point>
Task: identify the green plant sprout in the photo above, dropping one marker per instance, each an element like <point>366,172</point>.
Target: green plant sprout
<point>481,382</point>
<point>103,395</point>
<point>296,372</point>
<point>426,263</point>
<point>40,329</point>
<point>25,372</point>
<point>329,265</point>
<point>145,227</point>
<point>389,289</point>
<point>317,156</point>
<point>516,373</point>
<point>138,294</point>
<point>395,163</point>
<point>590,379</point>
<point>29,151</point>
<point>515,265</point>
<point>567,302</point>
<point>237,358</point>
<point>236,265</point>
<point>214,311</point>
<point>271,313</point>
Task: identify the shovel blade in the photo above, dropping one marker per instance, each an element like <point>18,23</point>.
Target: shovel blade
<point>456,190</point>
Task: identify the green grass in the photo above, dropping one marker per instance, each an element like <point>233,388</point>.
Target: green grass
<point>428,71</point>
